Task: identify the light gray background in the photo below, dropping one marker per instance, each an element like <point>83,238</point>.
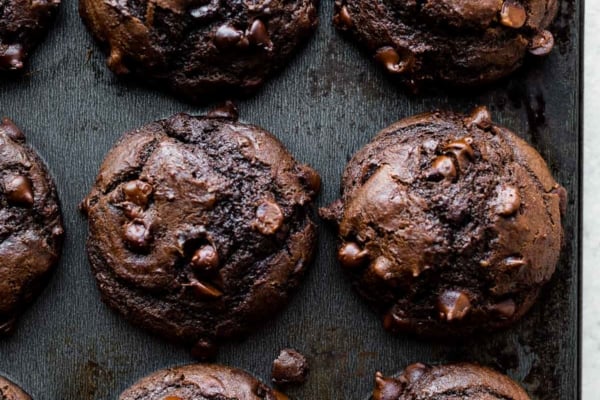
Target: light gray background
<point>591,182</point>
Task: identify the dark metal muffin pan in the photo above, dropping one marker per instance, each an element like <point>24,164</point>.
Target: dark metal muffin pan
<point>327,104</point>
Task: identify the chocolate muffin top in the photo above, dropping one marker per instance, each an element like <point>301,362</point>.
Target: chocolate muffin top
<point>23,23</point>
<point>447,382</point>
<point>449,224</point>
<point>463,42</point>
<point>30,225</point>
<point>199,228</point>
<point>10,391</point>
<point>200,382</point>
<point>202,47</point>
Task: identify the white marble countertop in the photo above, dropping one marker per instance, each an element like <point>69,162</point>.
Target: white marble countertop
<point>591,182</point>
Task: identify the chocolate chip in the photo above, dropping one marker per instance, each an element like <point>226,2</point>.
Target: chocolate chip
<point>345,18</point>
<point>204,350</point>
<point>12,130</point>
<point>481,118</point>
<point>204,290</point>
<point>290,368</point>
<point>508,201</point>
<point>258,35</point>
<point>137,192</point>
<point>542,43</point>
<point>382,267</point>
<point>115,62</point>
<point>351,256</point>
<point>514,262</point>
<point>18,190</point>
<point>12,57</point>
<point>391,59</point>
<point>227,36</point>
<point>453,305</point>
<point>413,372</point>
<point>138,236</point>
<point>228,110</point>
<point>442,168</point>
<point>205,259</point>
<point>387,388</point>
<point>462,150</point>
<point>269,218</point>
<point>505,309</point>
<point>513,14</point>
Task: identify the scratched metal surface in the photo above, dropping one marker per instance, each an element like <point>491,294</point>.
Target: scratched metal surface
<point>325,106</point>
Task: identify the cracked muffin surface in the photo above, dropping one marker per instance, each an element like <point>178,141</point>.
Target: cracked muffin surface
<point>31,229</point>
<point>447,382</point>
<point>462,42</point>
<point>23,24</point>
<point>200,48</point>
<point>200,227</point>
<point>449,224</point>
<point>200,382</point>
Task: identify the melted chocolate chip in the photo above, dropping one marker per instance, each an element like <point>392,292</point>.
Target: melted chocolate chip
<point>453,305</point>
<point>258,35</point>
<point>351,256</point>
<point>481,118</point>
<point>508,201</point>
<point>18,190</point>
<point>204,290</point>
<point>227,36</point>
<point>513,14</point>
<point>442,168</point>
<point>345,18</point>
<point>205,259</point>
<point>137,236</point>
<point>269,218</point>
<point>542,43</point>
<point>392,60</point>
<point>462,150</point>
<point>137,192</point>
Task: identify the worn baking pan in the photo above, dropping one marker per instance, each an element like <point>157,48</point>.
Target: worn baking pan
<point>325,106</point>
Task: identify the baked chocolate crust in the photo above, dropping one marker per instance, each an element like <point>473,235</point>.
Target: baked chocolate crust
<point>200,228</point>
<point>201,47</point>
<point>449,224</point>
<point>31,229</point>
<point>447,382</point>
<point>462,42</point>
<point>23,24</point>
<point>200,382</point>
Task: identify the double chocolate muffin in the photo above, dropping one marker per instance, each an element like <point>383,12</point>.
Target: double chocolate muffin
<point>200,382</point>
<point>462,42</point>
<point>23,24</point>
<point>10,391</point>
<point>447,382</point>
<point>200,47</point>
<point>200,228</point>
<point>449,224</point>
<point>30,225</point>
